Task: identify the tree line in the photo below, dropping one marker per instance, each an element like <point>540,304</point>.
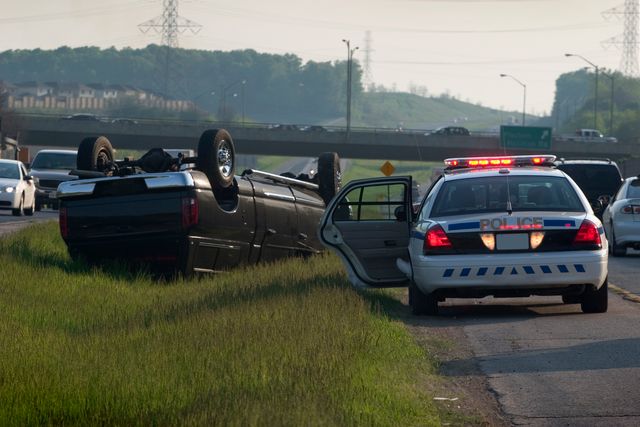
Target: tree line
<point>265,87</point>
<point>617,110</point>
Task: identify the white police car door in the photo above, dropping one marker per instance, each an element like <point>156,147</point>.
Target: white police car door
<point>367,224</point>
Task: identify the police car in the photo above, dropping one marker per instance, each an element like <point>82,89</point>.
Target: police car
<point>510,226</point>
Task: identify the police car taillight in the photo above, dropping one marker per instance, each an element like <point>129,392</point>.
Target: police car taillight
<point>436,240</point>
<point>588,236</point>
<point>483,162</point>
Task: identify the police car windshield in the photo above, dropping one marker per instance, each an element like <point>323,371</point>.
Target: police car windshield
<point>489,194</point>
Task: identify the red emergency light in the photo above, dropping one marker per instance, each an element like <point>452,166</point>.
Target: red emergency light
<point>483,162</point>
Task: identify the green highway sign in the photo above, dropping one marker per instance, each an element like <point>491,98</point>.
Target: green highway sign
<point>531,137</point>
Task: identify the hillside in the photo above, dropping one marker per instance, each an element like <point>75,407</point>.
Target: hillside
<point>385,109</point>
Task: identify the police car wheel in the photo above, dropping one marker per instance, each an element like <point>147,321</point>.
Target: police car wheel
<point>596,300</point>
<point>422,303</point>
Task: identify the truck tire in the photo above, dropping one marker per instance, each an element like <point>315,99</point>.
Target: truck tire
<point>95,154</point>
<point>217,157</point>
<point>596,300</point>
<point>329,175</point>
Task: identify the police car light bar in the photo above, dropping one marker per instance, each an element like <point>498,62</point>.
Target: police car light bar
<point>482,162</point>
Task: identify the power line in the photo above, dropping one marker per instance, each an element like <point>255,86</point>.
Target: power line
<point>100,11</point>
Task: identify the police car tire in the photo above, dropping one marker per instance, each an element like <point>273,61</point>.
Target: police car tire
<point>616,250</point>
<point>596,300</point>
<point>422,303</point>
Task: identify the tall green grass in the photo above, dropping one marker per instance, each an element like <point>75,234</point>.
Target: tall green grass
<point>283,344</point>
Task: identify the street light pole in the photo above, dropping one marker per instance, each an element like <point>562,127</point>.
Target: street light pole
<point>595,97</point>
<point>224,96</point>
<point>350,53</point>
<point>524,96</point>
<point>612,78</point>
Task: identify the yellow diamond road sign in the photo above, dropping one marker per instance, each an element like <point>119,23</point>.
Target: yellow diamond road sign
<point>387,168</point>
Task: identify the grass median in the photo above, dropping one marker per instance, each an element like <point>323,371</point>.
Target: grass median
<point>286,344</point>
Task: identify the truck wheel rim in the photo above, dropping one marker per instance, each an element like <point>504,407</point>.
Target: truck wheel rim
<point>225,159</point>
<point>102,160</point>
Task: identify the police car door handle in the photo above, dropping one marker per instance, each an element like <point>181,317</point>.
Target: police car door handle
<point>390,243</point>
<point>270,231</point>
<point>302,236</point>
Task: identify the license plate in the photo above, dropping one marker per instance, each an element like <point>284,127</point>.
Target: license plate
<point>512,242</point>
<point>53,195</point>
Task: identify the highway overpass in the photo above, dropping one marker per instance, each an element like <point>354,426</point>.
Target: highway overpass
<point>361,144</point>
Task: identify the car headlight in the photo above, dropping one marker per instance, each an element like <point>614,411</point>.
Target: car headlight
<point>9,189</point>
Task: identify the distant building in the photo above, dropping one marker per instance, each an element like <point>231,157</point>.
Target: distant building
<point>78,96</point>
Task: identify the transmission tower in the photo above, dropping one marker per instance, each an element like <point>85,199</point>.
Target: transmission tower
<point>170,24</point>
<point>629,38</point>
<point>368,80</point>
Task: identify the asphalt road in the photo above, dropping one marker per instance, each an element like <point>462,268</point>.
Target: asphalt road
<point>10,223</point>
<point>548,364</point>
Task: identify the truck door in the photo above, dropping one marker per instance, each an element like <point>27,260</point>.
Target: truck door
<point>276,220</point>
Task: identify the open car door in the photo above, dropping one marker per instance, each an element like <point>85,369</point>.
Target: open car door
<point>367,224</point>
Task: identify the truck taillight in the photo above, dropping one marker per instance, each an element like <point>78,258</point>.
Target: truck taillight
<point>436,241</point>
<point>588,236</point>
<point>190,212</point>
<point>64,225</point>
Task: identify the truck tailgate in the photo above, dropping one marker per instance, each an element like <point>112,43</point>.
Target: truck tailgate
<point>135,215</point>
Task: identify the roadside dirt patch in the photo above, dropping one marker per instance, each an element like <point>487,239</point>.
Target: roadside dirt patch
<point>465,390</point>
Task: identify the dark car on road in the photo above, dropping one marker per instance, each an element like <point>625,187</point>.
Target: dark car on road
<point>599,179</point>
<point>204,219</point>
<point>50,168</point>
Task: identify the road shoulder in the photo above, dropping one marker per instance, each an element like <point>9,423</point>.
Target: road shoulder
<point>465,392</point>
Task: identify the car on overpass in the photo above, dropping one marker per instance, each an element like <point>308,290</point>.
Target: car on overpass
<point>450,130</point>
<point>510,226</point>
<point>87,117</point>
<point>153,212</point>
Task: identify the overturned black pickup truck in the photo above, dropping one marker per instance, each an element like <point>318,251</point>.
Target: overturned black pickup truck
<point>204,219</point>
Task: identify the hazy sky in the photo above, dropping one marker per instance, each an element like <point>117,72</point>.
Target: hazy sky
<point>457,45</point>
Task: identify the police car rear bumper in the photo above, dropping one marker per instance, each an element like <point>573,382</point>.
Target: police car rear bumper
<point>511,271</point>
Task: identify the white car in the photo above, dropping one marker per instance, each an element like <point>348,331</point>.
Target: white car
<point>17,190</point>
<point>502,226</point>
<point>621,218</point>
